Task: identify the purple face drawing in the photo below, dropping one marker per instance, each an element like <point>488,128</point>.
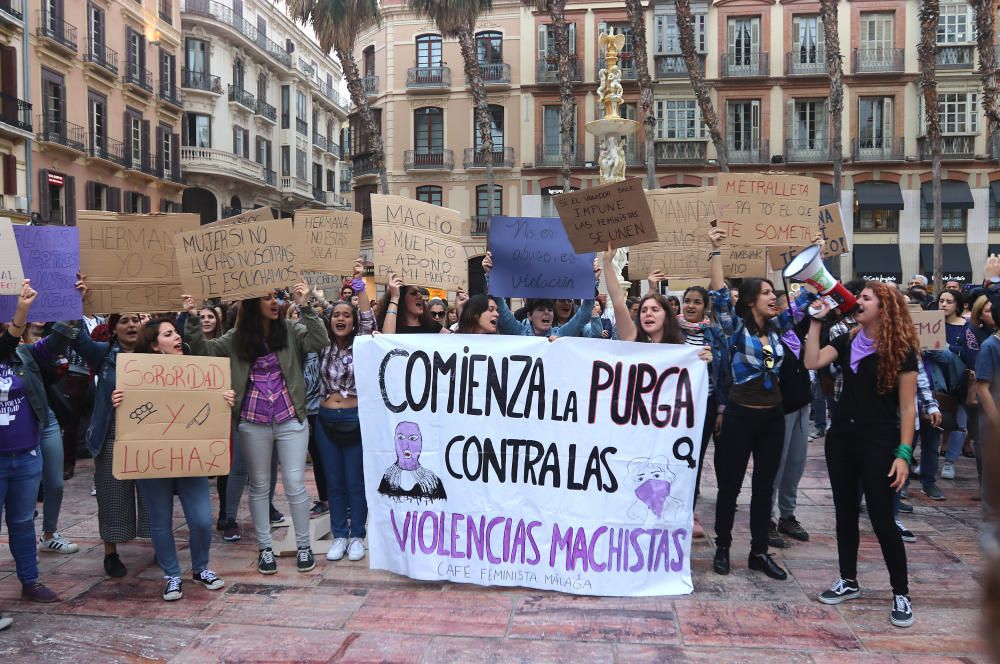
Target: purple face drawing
<point>409,443</point>
<point>652,486</point>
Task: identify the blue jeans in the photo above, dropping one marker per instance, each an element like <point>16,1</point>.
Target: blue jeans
<point>52,473</point>
<point>158,494</point>
<point>344,470</point>
<point>20,474</point>
<point>956,439</point>
<point>818,405</point>
<point>930,441</point>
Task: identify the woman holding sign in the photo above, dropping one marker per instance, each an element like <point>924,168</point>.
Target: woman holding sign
<point>162,336</point>
<point>870,440</point>
<point>403,310</point>
<point>266,355</point>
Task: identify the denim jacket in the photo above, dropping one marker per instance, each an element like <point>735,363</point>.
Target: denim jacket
<point>24,363</point>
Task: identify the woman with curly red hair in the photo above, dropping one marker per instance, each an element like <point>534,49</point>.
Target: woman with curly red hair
<point>869,443</point>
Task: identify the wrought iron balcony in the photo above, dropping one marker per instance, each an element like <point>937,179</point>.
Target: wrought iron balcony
<point>66,134</point>
<point>497,73</point>
<point>267,111</point>
<point>338,201</point>
<point>681,152</point>
<point>57,30</point>
<point>332,148</point>
<point>548,70</point>
<point>480,225</point>
<point>319,140</point>
<point>734,65</point>
<point>102,56</point>
<point>225,15</point>
<point>950,56</point>
<point>168,93</point>
<point>199,80</point>
<point>877,149</point>
<point>475,158</point>
<point>141,161</point>
<point>12,9</point>
<point>953,146</point>
<point>806,61</point>
<point>302,126</point>
<point>15,112</point>
<point>428,77</point>
<point>363,164</point>
<point>550,156</point>
<point>243,98</point>
<point>673,65</point>
<point>138,76</point>
<point>802,150</point>
<point>426,159</point>
<point>759,153</point>
<point>370,85</point>
<point>877,60</point>
<point>106,148</point>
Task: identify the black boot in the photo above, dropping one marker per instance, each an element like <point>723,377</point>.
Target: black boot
<point>721,562</point>
<point>762,562</point>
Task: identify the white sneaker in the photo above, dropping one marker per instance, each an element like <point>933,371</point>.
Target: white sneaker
<point>5,622</point>
<point>356,551</point>
<point>948,471</point>
<point>93,490</point>
<point>337,549</point>
<point>58,544</point>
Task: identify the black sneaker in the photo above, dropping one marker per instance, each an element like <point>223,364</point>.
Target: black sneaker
<point>172,591</point>
<point>208,578</point>
<point>902,612</point>
<point>774,540</point>
<point>305,558</point>
<point>905,533</point>
<point>231,532</point>
<point>905,507</point>
<point>266,564</point>
<point>277,518</point>
<point>113,566</point>
<point>841,591</point>
<point>793,529</point>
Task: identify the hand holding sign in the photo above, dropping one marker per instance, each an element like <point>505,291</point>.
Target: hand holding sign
<point>616,212</point>
<point>11,272</point>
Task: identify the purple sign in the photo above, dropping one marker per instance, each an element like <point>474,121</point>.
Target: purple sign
<point>51,258</point>
<point>532,257</point>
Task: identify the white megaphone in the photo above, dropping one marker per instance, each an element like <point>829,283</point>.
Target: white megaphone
<point>808,267</point>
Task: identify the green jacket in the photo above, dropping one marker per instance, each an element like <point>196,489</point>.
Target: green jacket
<point>309,337</point>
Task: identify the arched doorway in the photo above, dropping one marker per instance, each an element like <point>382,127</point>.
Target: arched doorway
<point>202,202</point>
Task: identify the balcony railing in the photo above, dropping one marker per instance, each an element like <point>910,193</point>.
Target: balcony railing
<point>480,225</point>
<point>956,57</point>
<point>15,112</point>
<point>225,15</point>
<point>502,158</point>
<point>627,63</point>
<point>63,133</point>
<point>547,156</point>
<point>101,55</point>
<point>755,154</point>
<point>106,148</point>
<point>12,9</point>
<point>497,73</point>
<point>199,80</point>
<point>138,76</point>
<point>681,152</point>
<point>168,172</point>
<point>370,84</point>
<point>673,65</point>
<point>806,61</point>
<point>168,93</point>
<point>799,150</point>
<point>877,149</point>
<point>320,141</point>
<point>743,66</point>
<point>953,146</point>
<point>243,98</point>
<point>305,67</point>
<point>875,60</point>
<point>267,111</point>
<point>548,71</point>
<point>331,94</point>
<point>298,186</point>
<point>428,77</point>
<point>270,177</point>
<point>336,200</point>
<point>302,126</point>
<point>56,29</point>
<point>363,164</point>
<point>441,159</point>
<point>222,162</point>
<point>141,161</point>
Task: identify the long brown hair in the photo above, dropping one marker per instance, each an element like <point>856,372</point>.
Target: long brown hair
<point>150,333</point>
<point>671,328</point>
<point>896,336</point>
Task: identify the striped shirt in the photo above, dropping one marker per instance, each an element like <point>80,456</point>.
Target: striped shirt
<point>267,399</point>
<point>697,338</point>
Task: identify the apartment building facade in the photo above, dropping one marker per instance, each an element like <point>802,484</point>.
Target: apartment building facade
<point>108,110</point>
<point>15,112</point>
<point>262,112</point>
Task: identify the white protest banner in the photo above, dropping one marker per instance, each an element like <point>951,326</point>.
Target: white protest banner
<point>513,461</point>
<point>327,240</point>
<point>11,272</point>
<point>770,210</point>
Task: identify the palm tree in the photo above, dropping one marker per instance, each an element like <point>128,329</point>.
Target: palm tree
<point>835,65</point>
<point>457,19</point>
<point>337,24</point>
<point>696,74</point>
<point>556,10</point>
<point>637,21</point>
<point>930,10</point>
<point>986,40</point>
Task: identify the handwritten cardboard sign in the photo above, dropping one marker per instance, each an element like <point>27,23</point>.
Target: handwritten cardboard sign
<point>682,218</point>
<point>174,420</point>
<point>324,281</point>
<point>129,260</point>
<point>51,258</point>
<point>616,212</point>
<point>238,261</point>
<point>256,214</point>
<point>743,262</point>
<point>768,210</point>
<point>929,326</point>
<point>327,240</point>
<point>420,242</point>
<point>534,258</point>
<point>11,272</point>
<point>831,225</point>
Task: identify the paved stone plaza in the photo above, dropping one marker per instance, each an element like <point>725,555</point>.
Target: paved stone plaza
<point>344,612</point>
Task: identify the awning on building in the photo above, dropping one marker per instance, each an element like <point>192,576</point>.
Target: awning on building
<point>955,263</point>
<point>826,196</point>
<point>877,262</point>
<point>879,196</point>
<point>955,195</point>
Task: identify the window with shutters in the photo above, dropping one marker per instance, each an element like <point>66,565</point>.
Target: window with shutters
<point>875,123</point>
<point>744,42</point>
<point>958,112</point>
<point>135,56</point>
<point>286,106</point>
<point>167,151</point>
<point>551,142</point>
<point>301,113</point>
<point>136,147</point>
<point>743,129</point>
<point>53,102</point>
<point>429,194</point>
<point>679,120</point>
<point>262,87</point>
<point>496,130</point>
<point>317,175</point>
<point>667,35</point>
<point>331,180</point>
<point>808,124</point>
<point>429,51</point>
<point>368,56</point>
<point>198,130</point>
<point>807,41</point>
<point>168,65</point>
<point>301,171</point>
<point>55,197</point>
<point>483,200</point>
<point>241,142</point>
<point>9,174</point>
<point>547,61</point>
<point>428,127</point>
<point>96,23</point>
<point>239,74</point>
<point>878,35</point>
<point>98,122</point>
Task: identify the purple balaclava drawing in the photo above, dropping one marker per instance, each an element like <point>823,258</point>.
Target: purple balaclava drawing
<point>409,444</point>
<point>652,486</point>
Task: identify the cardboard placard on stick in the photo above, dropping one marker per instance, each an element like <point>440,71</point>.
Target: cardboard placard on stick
<point>616,212</point>
<point>256,214</point>
<point>831,226</point>
<point>238,261</point>
<point>682,218</point>
<point>420,242</point>
<point>533,258</point>
<point>929,326</point>
<point>51,257</point>
<point>174,420</point>
<point>768,210</point>
<point>327,240</point>
<point>130,260</point>
<point>11,272</point>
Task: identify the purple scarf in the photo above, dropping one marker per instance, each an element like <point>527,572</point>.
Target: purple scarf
<point>861,347</point>
<point>793,342</point>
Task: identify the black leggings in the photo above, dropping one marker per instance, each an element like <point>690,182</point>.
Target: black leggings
<point>711,413</point>
<point>855,459</point>
<point>747,431</point>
